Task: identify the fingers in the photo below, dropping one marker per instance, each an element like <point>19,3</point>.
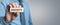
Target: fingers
<point>13,5</point>
<point>10,6</point>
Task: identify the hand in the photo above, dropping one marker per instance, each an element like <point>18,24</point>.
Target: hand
<point>11,15</point>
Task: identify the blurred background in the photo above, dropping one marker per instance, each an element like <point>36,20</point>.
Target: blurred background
<point>45,12</point>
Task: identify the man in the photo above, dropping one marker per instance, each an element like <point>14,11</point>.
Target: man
<point>14,18</point>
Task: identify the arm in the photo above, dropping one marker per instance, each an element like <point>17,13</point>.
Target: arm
<point>9,16</point>
<point>4,20</point>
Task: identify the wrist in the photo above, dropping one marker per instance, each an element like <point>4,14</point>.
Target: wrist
<point>7,19</point>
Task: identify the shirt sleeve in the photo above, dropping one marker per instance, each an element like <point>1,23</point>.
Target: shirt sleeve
<point>2,21</point>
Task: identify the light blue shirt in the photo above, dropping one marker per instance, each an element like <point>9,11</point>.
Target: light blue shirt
<point>17,21</point>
